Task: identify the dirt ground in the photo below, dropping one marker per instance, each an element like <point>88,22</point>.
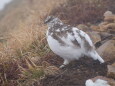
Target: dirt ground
<point>76,73</point>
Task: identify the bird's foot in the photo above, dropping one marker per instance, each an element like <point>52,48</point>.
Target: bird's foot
<point>64,63</point>
<point>62,66</point>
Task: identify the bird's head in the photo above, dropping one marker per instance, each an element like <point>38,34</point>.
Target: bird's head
<point>51,20</point>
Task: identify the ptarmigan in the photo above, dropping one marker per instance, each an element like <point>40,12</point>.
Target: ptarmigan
<point>69,42</point>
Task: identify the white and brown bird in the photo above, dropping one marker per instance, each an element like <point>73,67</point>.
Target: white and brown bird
<point>69,42</point>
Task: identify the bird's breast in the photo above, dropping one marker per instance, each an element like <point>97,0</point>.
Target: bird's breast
<point>63,51</point>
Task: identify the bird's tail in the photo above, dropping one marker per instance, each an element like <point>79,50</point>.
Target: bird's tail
<point>99,58</point>
<point>96,56</point>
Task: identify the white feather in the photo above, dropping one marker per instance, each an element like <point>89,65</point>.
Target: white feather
<point>66,52</point>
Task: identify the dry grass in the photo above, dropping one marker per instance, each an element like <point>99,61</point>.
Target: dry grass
<point>28,34</point>
<point>25,40</point>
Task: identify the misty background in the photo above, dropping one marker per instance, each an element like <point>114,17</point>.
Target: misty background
<point>3,3</point>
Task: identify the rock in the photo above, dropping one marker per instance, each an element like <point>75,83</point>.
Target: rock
<point>95,28</point>
<point>105,35</point>
<point>111,25</point>
<point>104,38</point>
<point>113,37</point>
<point>98,82</point>
<point>104,80</point>
<point>107,50</point>
<point>111,71</point>
<point>94,36</point>
<point>83,27</point>
<point>109,17</point>
<point>109,22</point>
<point>111,28</point>
<point>103,28</point>
<point>103,23</point>
<point>108,13</point>
<point>113,64</point>
<point>108,27</point>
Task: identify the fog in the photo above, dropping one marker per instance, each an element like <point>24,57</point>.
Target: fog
<point>3,3</point>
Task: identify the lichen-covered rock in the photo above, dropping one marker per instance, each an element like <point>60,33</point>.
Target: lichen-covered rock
<point>111,71</point>
<point>107,50</point>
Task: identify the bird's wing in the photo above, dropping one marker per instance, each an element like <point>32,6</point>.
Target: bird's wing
<point>82,37</point>
<point>73,40</point>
